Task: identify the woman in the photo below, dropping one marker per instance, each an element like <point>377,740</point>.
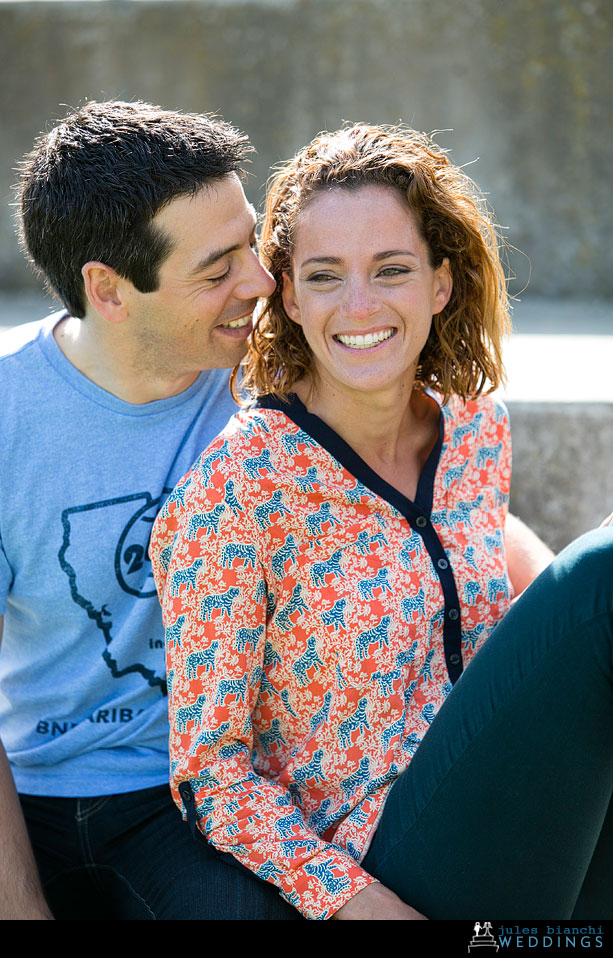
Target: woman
<point>338,555</point>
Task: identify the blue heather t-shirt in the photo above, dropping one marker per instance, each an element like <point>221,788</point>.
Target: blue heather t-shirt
<point>83,707</point>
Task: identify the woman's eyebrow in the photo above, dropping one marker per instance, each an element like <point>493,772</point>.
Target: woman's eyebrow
<point>394,252</point>
<point>335,260</point>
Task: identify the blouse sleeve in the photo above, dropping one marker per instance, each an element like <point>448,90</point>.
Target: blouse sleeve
<point>207,556</point>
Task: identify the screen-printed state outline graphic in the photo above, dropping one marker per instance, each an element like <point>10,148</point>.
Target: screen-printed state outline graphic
<point>131,556</point>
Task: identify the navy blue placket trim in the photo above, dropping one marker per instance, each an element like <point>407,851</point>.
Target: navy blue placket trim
<point>416,513</point>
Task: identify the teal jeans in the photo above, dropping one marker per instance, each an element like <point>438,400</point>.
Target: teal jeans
<point>505,810</point>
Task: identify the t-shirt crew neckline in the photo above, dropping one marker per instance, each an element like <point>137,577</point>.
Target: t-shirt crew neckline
<point>56,358</point>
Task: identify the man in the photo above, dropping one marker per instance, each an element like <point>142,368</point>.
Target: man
<point>137,219</point>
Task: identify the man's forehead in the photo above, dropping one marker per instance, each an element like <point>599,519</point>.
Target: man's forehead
<point>216,218</point>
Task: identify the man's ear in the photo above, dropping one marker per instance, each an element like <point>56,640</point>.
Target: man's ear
<point>288,294</point>
<point>443,286</point>
<point>105,291</point>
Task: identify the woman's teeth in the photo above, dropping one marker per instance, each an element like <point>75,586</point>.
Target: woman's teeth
<point>237,323</point>
<point>365,342</point>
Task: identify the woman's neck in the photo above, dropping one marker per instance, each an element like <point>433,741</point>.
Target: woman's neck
<point>393,432</point>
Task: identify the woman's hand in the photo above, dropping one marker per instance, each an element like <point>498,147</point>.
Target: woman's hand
<point>608,521</point>
<point>377,903</point>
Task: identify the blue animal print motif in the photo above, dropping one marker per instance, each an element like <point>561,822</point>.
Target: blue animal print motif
<point>174,631</point>
<point>205,520</point>
<point>222,602</point>
<point>426,669</point>
<point>393,731</point>
<point>248,637</point>
<point>324,874</point>
<point>322,716</point>
<point>378,635</point>
<point>493,543</point>
<point>287,553</point>
<point>361,775</point>
<point>294,440</point>
<point>191,713</point>
<point>185,577</point>
<point>256,464</point>
<point>413,605</point>
<point>331,566</point>
<point>463,432</point>
<point>357,492</point>
<point>354,723</point>
<point>238,550</point>
<point>230,498</point>
<point>472,591</point>
<point>320,821</point>
<point>488,454</point>
<point>209,738</point>
<point>366,587</point>
<point>470,637</point>
<point>273,506</point>
<point>202,657</point>
<point>231,689</point>
<point>164,558</point>
<point>307,661</point>
<point>295,604</point>
<point>454,475</point>
<point>410,548</point>
<point>497,588</point>
<point>285,826</point>
<point>271,737</point>
<point>206,464</point>
<point>312,771</point>
<point>316,521</point>
<point>306,483</point>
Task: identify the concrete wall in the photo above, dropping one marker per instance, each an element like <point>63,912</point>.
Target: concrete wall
<point>562,482</point>
<point>525,86</point>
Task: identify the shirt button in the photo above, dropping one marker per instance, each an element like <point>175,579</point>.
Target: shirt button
<point>421,521</point>
<point>442,564</point>
<point>454,659</point>
<point>454,614</point>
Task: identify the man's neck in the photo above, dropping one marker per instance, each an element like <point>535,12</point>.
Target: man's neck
<point>111,363</point>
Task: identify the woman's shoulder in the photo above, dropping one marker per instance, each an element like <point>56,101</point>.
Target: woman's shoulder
<point>482,412</point>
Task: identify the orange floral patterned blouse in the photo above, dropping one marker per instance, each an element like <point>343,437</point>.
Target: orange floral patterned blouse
<point>315,621</point>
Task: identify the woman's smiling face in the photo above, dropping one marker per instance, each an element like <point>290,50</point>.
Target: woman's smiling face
<point>363,289</point>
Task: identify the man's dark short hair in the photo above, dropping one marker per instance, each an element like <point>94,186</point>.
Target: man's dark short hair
<point>91,186</point>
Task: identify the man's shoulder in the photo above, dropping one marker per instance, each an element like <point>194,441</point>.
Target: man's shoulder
<point>16,341</point>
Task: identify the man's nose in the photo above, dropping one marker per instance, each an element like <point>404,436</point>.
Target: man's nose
<point>258,282</point>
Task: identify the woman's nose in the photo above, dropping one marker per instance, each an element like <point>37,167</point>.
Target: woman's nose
<point>359,301</point>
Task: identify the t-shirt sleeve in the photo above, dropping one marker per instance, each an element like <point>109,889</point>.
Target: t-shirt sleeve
<point>208,561</point>
<point>6,578</point>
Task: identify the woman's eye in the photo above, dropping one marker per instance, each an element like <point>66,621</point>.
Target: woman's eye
<point>321,278</point>
<point>394,271</point>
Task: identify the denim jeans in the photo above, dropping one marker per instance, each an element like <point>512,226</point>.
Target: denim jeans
<point>131,857</point>
<point>504,810</point>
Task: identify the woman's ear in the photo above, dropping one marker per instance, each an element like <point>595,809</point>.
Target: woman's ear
<point>443,286</point>
<point>288,294</point>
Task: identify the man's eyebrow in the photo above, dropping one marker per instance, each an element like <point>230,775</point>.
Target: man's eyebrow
<point>218,254</point>
<point>214,256</point>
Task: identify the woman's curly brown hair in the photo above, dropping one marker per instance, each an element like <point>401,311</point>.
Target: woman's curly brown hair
<point>463,352</point>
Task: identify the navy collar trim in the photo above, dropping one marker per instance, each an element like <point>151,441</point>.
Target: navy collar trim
<point>318,430</point>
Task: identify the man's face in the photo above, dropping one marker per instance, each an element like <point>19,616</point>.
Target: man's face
<point>200,315</point>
